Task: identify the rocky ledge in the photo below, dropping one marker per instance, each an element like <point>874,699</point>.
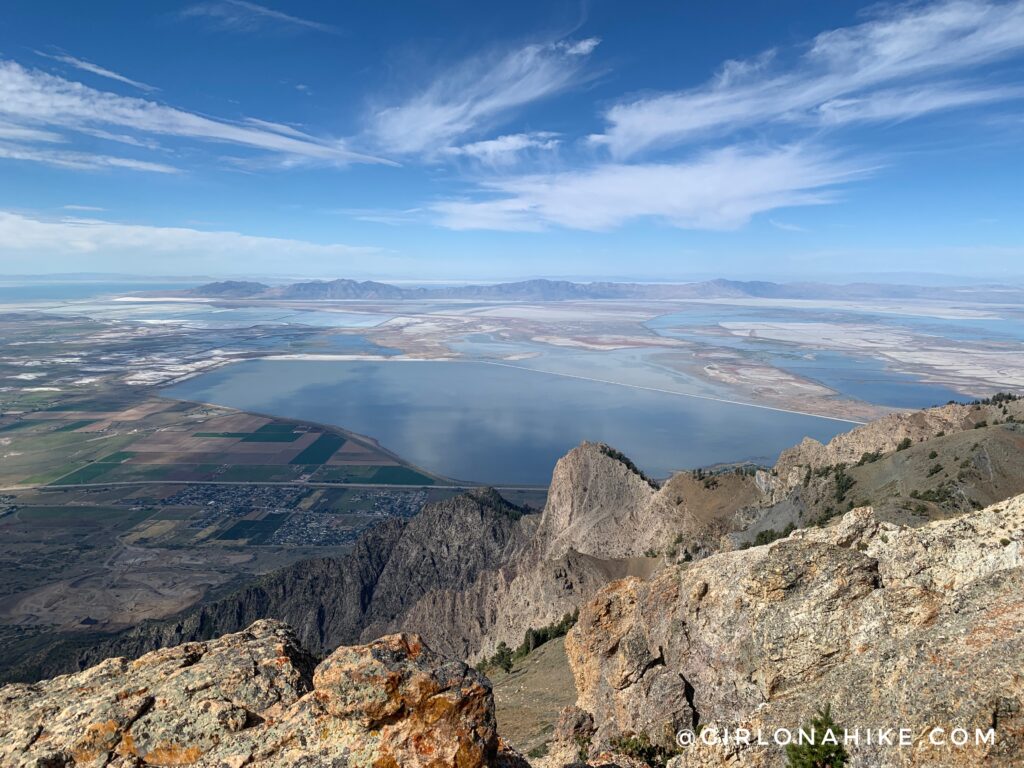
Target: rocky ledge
<point>894,627</point>
<point>255,700</point>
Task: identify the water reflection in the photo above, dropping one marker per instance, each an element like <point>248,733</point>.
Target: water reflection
<point>487,423</point>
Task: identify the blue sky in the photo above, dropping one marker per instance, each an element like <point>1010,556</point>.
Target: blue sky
<point>458,140</point>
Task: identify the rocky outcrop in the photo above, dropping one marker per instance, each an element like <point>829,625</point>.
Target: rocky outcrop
<point>885,435</point>
<point>595,502</point>
<point>895,627</point>
<point>254,699</point>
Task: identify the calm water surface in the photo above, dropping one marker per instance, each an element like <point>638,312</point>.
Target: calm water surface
<point>494,424</point>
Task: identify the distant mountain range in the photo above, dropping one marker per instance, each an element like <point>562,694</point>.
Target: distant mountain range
<point>563,290</point>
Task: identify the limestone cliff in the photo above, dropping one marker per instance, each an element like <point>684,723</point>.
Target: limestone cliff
<point>891,625</point>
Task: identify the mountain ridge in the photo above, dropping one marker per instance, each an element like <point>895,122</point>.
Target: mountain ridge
<point>542,289</point>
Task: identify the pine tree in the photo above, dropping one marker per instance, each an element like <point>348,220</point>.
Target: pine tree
<point>815,753</point>
<point>503,657</point>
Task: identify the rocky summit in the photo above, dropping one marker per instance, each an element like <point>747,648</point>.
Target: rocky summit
<point>255,699</point>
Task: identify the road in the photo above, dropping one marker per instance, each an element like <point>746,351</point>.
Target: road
<point>382,486</point>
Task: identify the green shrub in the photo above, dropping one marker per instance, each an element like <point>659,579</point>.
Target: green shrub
<point>640,747</point>
<point>770,535</point>
<point>869,458</point>
<point>815,753</point>
<point>620,457</point>
<point>843,482</point>
<point>534,638</point>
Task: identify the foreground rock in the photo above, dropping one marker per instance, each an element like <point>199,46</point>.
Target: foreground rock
<point>254,699</point>
<point>894,627</point>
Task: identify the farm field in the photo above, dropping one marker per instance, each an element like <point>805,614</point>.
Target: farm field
<point>160,439</point>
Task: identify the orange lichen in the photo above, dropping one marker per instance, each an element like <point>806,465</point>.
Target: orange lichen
<point>98,739</point>
<point>172,754</point>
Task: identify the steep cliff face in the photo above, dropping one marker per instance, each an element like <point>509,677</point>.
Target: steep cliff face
<point>254,699</point>
<point>466,573</point>
<point>331,602</point>
<point>595,500</point>
<point>895,627</point>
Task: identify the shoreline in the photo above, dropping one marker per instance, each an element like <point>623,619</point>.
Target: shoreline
<point>397,359</point>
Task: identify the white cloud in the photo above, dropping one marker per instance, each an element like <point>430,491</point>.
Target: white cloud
<point>393,217</point>
<point>88,66</point>
<point>83,208</point>
<point>67,242</point>
<point>582,47</point>
<point>31,100</point>
<point>14,132</point>
<point>504,150</point>
<point>477,93</point>
<point>242,16</point>
<point>721,190</point>
<point>786,227</point>
<point>82,161</point>
<point>911,102</point>
<point>864,72</point>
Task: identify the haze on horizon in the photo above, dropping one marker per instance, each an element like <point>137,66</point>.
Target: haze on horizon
<point>463,142</point>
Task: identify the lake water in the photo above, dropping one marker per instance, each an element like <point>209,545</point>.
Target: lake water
<point>488,423</point>
<point>855,376</point>
<point>12,290</point>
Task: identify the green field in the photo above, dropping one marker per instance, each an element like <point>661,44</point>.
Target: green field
<point>86,474</point>
<point>321,450</point>
<point>372,474</point>
<point>270,473</point>
<point>401,476</point>
<point>116,457</point>
<point>24,423</point>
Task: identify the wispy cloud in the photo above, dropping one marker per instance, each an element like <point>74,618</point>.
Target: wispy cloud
<point>894,66</point>
<point>786,227</point>
<point>33,101</point>
<point>243,16</point>
<point>720,190</point>
<point>88,66</point>
<point>505,150</point>
<point>476,94</point>
<point>394,217</point>
<point>82,161</point>
<point>73,207</point>
<point>107,243</point>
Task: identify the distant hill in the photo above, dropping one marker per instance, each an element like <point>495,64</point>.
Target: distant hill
<point>229,289</point>
<point>564,290</point>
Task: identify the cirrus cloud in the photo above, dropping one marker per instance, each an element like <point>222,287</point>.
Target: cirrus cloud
<point>34,102</point>
<point>722,189</point>
<point>476,93</point>
<point>69,243</point>
<point>896,66</point>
